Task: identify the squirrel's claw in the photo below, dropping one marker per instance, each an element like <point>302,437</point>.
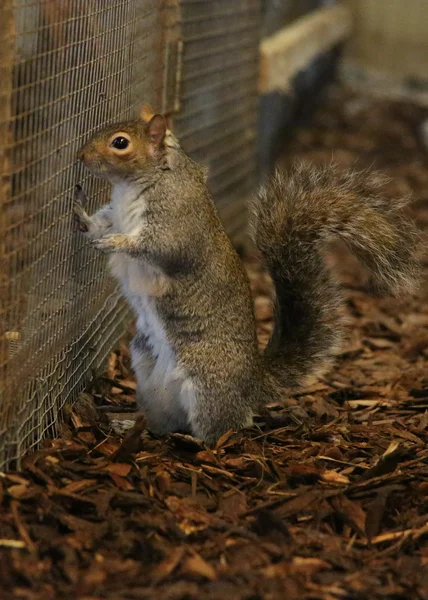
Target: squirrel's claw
<point>80,217</point>
<point>112,242</point>
<point>79,194</point>
<point>105,243</point>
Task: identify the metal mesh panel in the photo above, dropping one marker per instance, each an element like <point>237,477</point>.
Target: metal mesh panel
<point>218,115</point>
<point>67,68</point>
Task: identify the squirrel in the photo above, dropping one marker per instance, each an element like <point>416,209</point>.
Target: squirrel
<point>195,353</point>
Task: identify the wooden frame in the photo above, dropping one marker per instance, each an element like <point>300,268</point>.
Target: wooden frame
<point>292,49</point>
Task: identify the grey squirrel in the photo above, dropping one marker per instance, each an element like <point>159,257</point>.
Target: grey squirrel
<point>195,353</point>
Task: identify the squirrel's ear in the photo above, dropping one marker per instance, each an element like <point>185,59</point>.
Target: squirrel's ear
<point>157,130</point>
<point>146,113</point>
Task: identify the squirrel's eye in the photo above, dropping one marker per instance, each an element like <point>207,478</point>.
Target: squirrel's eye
<point>120,143</point>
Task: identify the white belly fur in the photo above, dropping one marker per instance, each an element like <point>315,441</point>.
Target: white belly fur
<point>167,394</point>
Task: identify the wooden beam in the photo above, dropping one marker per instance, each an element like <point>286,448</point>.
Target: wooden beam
<point>291,49</point>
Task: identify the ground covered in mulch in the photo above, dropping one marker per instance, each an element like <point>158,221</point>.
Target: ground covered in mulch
<point>326,499</point>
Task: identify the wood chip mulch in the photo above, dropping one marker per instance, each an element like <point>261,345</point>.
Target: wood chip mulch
<point>325,498</point>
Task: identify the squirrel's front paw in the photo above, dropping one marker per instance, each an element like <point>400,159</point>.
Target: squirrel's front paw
<point>108,243</point>
<point>80,216</point>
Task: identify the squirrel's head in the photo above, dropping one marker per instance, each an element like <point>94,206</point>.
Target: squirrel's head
<point>127,150</point>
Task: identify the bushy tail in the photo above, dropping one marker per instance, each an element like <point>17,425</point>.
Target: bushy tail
<point>295,215</point>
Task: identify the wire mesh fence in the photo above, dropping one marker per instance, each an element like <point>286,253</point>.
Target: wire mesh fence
<point>66,69</point>
<point>72,67</point>
<point>217,122</point>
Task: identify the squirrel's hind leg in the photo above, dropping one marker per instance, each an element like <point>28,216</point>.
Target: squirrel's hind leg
<point>159,402</point>
<point>216,412</point>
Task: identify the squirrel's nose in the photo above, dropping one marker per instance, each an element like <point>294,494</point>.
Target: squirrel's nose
<point>81,155</point>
